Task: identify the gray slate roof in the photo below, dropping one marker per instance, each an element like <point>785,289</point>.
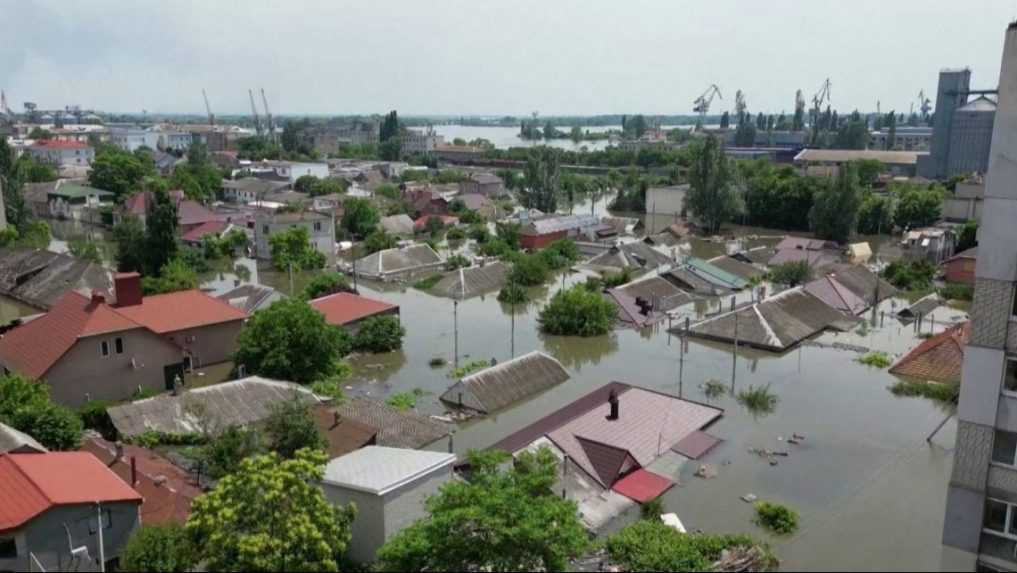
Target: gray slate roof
<point>251,297</point>
<point>465,283</point>
<point>399,260</point>
<point>39,278</point>
<point>378,470</point>
<point>921,307</point>
<point>239,402</point>
<point>629,255</point>
<point>398,429</point>
<point>743,270</point>
<point>504,384</point>
<point>16,442</point>
<point>776,324</point>
<point>662,293</point>
<point>397,224</point>
<point>861,281</point>
<point>556,223</point>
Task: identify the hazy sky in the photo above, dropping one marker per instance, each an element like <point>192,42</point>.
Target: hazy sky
<point>489,56</point>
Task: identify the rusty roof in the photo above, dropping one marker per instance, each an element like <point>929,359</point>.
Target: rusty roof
<point>505,384</point>
<point>939,358</point>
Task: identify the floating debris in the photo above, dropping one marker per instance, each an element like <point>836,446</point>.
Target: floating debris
<point>707,471</point>
<point>749,498</point>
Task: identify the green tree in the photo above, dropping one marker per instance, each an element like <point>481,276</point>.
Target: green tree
<point>160,233</point>
<point>158,548</point>
<point>917,206</point>
<point>85,250</point>
<point>290,427</point>
<point>379,240</point>
<point>33,171</point>
<point>834,214</point>
<point>129,240</point>
<point>25,406</point>
<point>523,524</point>
<point>291,341</point>
<point>725,120</point>
<point>359,217</point>
<point>293,247</point>
<point>271,516</point>
<point>542,175</point>
<point>33,234</point>
<point>329,186</point>
<point>791,273</point>
<point>199,178</point>
<point>711,197</point>
<point>119,171</point>
<point>529,270</point>
<point>853,134</point>
<point>968,236</point>
<point>875,215</point>
<point>228,448</point>
<point>305,183</point>
<point>650,545</point>
<point>175,275</point>
<point>325,284</point>
<point>379,334</point>
<point>577,311</point>
<point>389,127</point>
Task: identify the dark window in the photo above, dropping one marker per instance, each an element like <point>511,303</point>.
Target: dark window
<point>265,229</point>
<point>119,345</point>
<point>1004,448</point>
<point>1014,305</point>
<point>8,548</point>
<point>1010,377</point>
<point>317,226</point>
<point>106,522</point>
<point>104,348</point>
<point>995,515</point>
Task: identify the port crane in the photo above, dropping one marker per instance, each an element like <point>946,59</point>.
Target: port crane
<point>254,111</point>
<point>702,103</point>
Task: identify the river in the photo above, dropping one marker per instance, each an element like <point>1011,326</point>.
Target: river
<point>506,137</point>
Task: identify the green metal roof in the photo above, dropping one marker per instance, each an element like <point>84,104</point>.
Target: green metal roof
<point>76,191</point>
<point>715,274</point>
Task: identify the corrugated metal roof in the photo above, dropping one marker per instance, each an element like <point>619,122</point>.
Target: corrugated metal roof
<point>397,429</point>
<point>742,270</point>
<point>469,282</point>
<point>715,274</point>
<point>829,290</point>
<point>557,223</point>
<point>629,255</point>
<point>398,260</point>
<point>845,155</point>
<point>642,486</point>
<point>343,308</point>
<point>504,384</point>
<point>378,470</point>
<point>239,402</point>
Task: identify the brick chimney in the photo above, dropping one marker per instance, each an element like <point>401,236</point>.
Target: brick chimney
<point>128,289</point>
<point>612,399</point>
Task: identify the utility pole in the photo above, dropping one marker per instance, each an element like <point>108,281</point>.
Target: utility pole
<point>455,330</point>
<point>102,546</point>
<point>734,354</point>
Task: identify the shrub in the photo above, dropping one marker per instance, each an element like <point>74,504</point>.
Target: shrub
<point>158,548</point>
<point>945,393</point>
<point>379,334</point>
<point>513,294</point>
<point>469,368</point>
<point>379,240</point>
<point>875,360</point>
<point>223,454</point>
<point>94,416</point>
<point>714,388</point>
<point>405,400</point>
<point>530,270</point>
<point>495,248</point>
<point>455,234</point>
<point>957,291</point>
<point>776,518</point>
<point>560,254</point>
<point>649,545</point>
<point>326,284</point>
<point>910,275</point>
<point>791,274</point>
<point>577,312</point>
<point>427,283</point>
<point>290,426</point>
<point>652,509</point>
<point>456,262</point>
<point>758,400</point>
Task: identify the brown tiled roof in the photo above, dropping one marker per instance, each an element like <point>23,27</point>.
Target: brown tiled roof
<point>344,435</point>
<point>939,358</point>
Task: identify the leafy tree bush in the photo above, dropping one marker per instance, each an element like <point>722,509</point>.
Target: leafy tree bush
<point>305,183</point>
<point>225,451</point>
<point>910,275</point>
<point>271,515</point>
<point>359,217</point>
<point>560,254</point>
<point>512,293</point>
<point>456,234</point>
<point>577,312</point>
<point>524,525</point>
<point>530,270</point>
<point>379,334</point>
<point>711,197</point>
<point>404,400</point>
<point>968,236</point>
<point>917,206</point>
<point>834,214</point>
<point>379,240</point>
<point>158,548</point>
<point>649,545</point>
<point>85,250</point>
<point>25,406</point>
<point>118,171</point>
<point>290,427</point>
<point>291,341</point>
<point>792,274</point>
<point>956,291</point>
<point>325,284</point>
<point>293,246</point>
<point>876,214</point>
<point>456,262</point>
<point>175,275</point>
<point>777,518</point>
<point>94,417</point>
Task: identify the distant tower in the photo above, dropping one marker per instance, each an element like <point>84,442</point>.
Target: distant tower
<point>951,95</point>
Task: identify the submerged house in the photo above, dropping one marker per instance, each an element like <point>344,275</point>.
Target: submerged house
<point>741,269</point>
<point>504,384</point>
<point>815,252</point>
<point>637,256</point>
<point>539,233</point>
<point>349,310</point>
<point>705,278</point>
<point>776,324</point>
<point>647,300</point>
<point>474,281</point>
<point>396,428</point>
<point>399,263</point>
<point>937,359</point>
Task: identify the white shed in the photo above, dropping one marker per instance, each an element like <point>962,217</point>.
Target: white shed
<point>389,487</point>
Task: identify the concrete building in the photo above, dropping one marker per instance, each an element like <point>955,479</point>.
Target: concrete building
<point>980,526</point>
<point>965,203</point>
<point>174,140</point>
<point>486,184</point>
<point>827,162</point>
<point>358,133</point>
<point>962,129</point>
<point>62,154</point>
<point>320,228</point>
<point>389,487</point>
<point>416,141</point>
<point>131,139</point>
<point>77,202</point>
<point>250,189</point>
<point>905,139</point>
<point>668,200</point>
<point>57,507</point>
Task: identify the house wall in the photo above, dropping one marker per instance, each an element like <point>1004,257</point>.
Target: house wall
<point>665,200</point>
<point>46,538</point>
<point>961,271</point>
<point>83,373</point>
<point>405,505</point>
<point>208,344</point>
<point>323,239</point>
<point>368,529</point>
<point>540,241</point>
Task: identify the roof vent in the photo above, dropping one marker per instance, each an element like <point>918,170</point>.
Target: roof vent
<point>612,399</point>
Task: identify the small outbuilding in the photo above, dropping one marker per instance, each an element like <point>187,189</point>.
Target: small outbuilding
<point>505,384</point>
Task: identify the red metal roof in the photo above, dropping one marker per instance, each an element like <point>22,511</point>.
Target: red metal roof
<point>35,346</point>
<point>198,233</point>
<point>180,310</point>
<point>59,144</point>
<point>642,486</point>
<point>343,308</point>
<point>167,489</point>
<point>34,483</point>
<point>939,358</point>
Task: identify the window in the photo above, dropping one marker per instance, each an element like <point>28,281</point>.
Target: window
<point>1004,448</point>
<point>317,226</point>
<point>8,548</point>
<point>104,348</point>
<point>999,518</point>
<point>264,229</point>
<point>106,522</point>
<point>1010,376</point>
<point>1014,311</point>
<point>118,344</point>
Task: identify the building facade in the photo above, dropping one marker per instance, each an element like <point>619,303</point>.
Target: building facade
<point>130,139</point>
<point>420,142</point>
<point>961,131</point>
<point>61,153</point>
<point>320,228</point>
<point>980,526</point>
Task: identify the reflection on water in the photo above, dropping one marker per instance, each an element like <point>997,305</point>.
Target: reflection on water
<point>575,352</point>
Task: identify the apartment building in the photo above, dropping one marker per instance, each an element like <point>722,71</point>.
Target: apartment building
<point>980,526</point>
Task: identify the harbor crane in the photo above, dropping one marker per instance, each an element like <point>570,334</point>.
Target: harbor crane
<point>208,108</point>
<point>254,111</point>
<point>702,103</point>
<point>924,104</point>
<point>268,117</point>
